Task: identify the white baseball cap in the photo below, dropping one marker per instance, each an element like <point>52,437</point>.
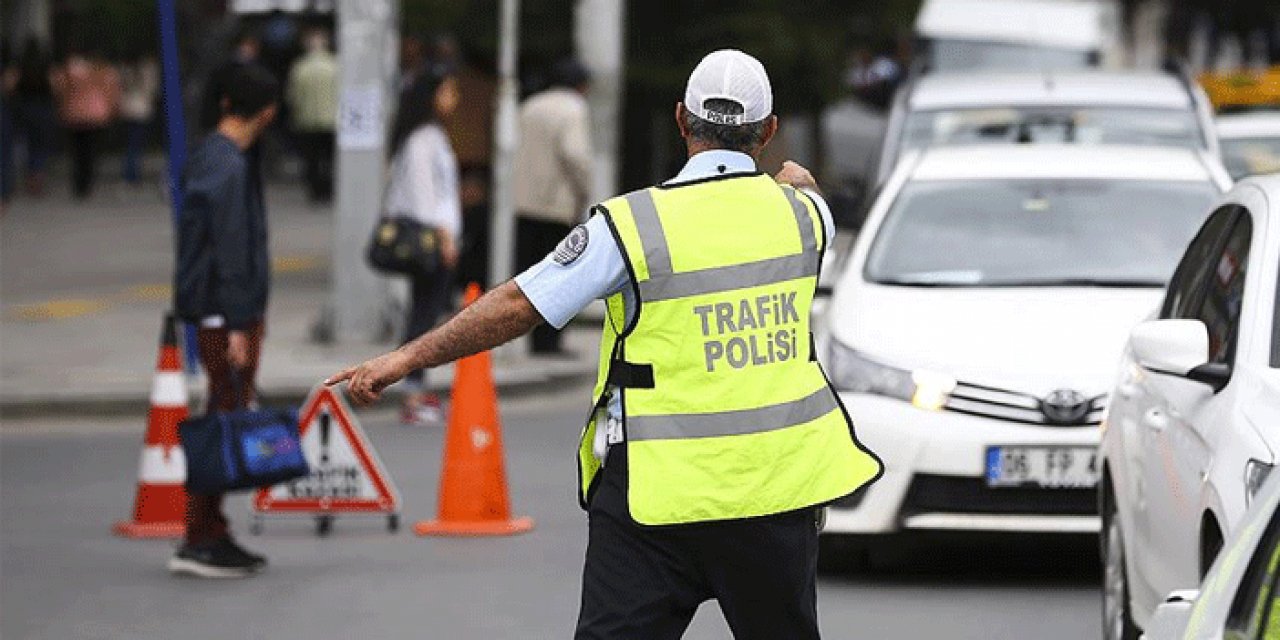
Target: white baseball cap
<point>729,74</point>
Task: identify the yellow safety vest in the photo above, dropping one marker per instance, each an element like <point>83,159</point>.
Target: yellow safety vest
<point>726,412</point>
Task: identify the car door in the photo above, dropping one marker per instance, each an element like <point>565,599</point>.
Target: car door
<point>1179,425</point>
<point>1138,400</point>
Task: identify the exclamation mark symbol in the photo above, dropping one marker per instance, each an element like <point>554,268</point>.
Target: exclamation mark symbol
<point>324,439</point>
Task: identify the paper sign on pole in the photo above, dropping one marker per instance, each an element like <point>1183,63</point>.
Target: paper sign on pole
<point>346,474</point>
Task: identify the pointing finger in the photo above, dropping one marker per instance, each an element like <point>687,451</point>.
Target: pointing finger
<point>345,374</point>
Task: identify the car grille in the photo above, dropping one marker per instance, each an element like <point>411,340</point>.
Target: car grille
<point>952,494</point>
<point>990,402</point>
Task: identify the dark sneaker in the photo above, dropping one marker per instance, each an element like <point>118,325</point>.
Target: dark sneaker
<point>255,561</point>
<point>211,560</point>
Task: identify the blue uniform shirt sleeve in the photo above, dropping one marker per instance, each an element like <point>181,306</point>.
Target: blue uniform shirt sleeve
<point>564,283</point>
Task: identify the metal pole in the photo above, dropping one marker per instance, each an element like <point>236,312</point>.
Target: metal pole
<point>505,138</point>
<point>599,38</point>
<point>175,135</point>
<point>366,43</point>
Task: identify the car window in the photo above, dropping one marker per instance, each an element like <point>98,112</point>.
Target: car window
<point>1224,291</point>
<point>1250,156</point>
<point>1088,125</point>
<point>1254,599</point>
<point>1037,232</point>
<point>965,55</point>
<point>1181,297</point>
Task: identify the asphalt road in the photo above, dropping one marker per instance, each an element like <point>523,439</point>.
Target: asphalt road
<point>63,575</point>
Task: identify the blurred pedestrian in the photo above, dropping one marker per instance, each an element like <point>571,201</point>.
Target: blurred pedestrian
<point>33,112</point>
<point>313,98</point>
<point>221,283</point>
<point>246,50</point>
<point>874,77</point>
<point>413,58</point>
<point>715,438</point>
<point>553,174</point>
<point>140,86</point>
<point>88,92</point>
<point>8,79</point>
<point>424,185</point>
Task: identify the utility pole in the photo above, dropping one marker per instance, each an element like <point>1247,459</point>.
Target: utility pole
<point>505,138</point>
<point>367,40</point>
<point>599,38</point>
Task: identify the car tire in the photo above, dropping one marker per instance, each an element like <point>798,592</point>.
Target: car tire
<point>842,553</point>
<point>1117,619</point>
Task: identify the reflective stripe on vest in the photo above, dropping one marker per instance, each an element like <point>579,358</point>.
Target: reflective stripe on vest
<point>740,420</point>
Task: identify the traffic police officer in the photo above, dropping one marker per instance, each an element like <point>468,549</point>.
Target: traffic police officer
<point>715,436</point>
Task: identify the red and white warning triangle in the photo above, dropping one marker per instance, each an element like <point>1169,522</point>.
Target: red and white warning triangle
<point>346,474</point>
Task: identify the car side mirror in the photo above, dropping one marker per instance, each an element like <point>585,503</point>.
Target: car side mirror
<point>1171,617</point>
<point>1179,348</point>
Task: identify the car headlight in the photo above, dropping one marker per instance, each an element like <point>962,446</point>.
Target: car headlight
<point>1255,474</point>
<point>852,371</point>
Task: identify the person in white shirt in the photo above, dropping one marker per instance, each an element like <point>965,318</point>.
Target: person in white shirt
<point>424,186</point>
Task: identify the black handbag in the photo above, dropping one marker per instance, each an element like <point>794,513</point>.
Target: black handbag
<point>403,246</point>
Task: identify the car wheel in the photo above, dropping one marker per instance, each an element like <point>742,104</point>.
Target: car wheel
<point>1117,621</point>
<point>841,553</point>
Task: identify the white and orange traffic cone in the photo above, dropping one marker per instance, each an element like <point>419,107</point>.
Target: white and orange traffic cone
<point>160,509</point>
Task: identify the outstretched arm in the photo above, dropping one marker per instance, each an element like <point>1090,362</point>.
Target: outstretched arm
<point>498,317</point>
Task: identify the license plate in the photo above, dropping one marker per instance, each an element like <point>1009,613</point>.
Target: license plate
<point>1048,467</point>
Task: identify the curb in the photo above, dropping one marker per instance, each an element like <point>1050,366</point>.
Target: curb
<point>509,384</point>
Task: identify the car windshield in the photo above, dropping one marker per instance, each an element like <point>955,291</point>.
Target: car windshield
<point>1251,156</point>
<point>1005,233</point>
<point>1097,125</point>
<point>965,55</point>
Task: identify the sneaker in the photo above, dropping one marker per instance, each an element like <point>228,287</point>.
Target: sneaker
<point>210,560</point>
<point>256,561</point>
<point>422,410</point>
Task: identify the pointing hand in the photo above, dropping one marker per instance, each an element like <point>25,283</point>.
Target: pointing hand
<point>366,381</point>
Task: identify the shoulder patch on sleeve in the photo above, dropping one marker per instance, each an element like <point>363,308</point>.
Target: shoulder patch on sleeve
<point>572,246</point>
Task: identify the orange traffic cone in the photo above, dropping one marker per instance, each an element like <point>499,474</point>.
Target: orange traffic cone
<point>159,511</point>
<point>473,485</point>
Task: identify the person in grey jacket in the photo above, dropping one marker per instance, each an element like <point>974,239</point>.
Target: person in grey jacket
<point>221,284</point>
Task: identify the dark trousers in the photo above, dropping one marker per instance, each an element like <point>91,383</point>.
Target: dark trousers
<point>430,298</point>
<point>205,520</point>
<point>645,583</point>
<point>316,148</point>
<point>534,240</point>
<point>84,160</point>
<point>135,142</point>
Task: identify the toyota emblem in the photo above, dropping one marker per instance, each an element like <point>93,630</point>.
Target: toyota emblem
<point>1065,406</point>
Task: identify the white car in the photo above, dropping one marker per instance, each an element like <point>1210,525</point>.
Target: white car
<point>1240,596</point>
<point>1084,107</point>
<point>1250,142</point>
<point>1194,421</point>
<point>974,329</point>
<point>1015,34</point>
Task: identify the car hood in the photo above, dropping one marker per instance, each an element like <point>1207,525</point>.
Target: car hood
<point>1033,340</point>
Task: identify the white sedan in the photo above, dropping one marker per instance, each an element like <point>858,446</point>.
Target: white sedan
<point>1194,422</point>
<point>974,329</point>
<point>1240,596</point>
